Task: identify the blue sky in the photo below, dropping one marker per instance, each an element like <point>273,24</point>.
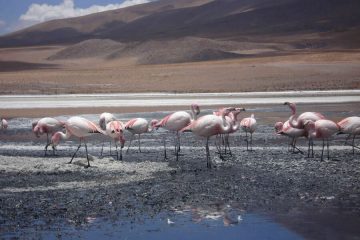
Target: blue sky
<point>17,14</point>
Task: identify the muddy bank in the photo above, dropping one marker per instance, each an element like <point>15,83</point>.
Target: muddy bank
<point>305,195</point>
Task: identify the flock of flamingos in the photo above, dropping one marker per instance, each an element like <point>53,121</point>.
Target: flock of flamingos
<point>221,123</point>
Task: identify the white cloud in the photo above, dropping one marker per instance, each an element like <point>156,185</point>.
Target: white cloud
<point>44,12</point>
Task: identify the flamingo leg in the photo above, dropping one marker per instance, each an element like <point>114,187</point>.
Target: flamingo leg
<point>347,138</point>
<point>309,148</point>
<point>139,143</point>
<point>102,149</point>
<point>75,152</point>
<point>208,161</point>
<point>297,147</point>
<point>47,143</point>
<point>117,152</point>
<point>327,146</point>
<point>322,151</point>
<point>121,158</point>
<point>353,144</point>
<point>164,140</point>
<point>87,156</point>
<point>177,144</point>
<point>228,144</point>
<point>110,148</point>
<point>247,141</point>
<point>312,147</point>
<point>217,144</point>
<point>251,142</point>
<point>132,136</point>
<point>293,145</point>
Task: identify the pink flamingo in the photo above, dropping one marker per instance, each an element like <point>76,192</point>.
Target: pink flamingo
<point>115,130</point>
<point>351,126</point>
<point>4,124</point>
<point>299,121</point>
<point>104,119</point>
<point>79,127</point>
<point>294,133</point>
<point>231,118</point>
<point>248,125</point>
<point>139,126</point>
<point>48,126</point>
<point>208,126</point>
<point>321,129</point>
<point>176,121</point>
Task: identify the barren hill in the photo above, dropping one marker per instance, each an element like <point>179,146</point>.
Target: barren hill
<point>244,20</point>
<point>88,48</point>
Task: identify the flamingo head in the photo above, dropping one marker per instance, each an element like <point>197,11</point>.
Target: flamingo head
<point>292,106</point>
<point>55,139</point>
<point>309,125</point>
<point>227,111</point>
<point>278,126</point>
<point>102,123</point>
<point>195,108</point>
<point>153,123</point>
<point>238,111</point>
<point>36,131</point>
<point>34,125</point>
<point>115,128</point>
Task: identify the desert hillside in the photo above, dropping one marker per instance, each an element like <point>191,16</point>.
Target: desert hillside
<point>241,20</point>
<point>189,46</point>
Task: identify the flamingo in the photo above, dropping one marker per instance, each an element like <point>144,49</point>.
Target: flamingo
<point>299,121</point>
<point>321,129</point>
<point>47,125</point>
<point>248,125</point>
<point>115,130</point>
<point>208,126</point>
<point>351,126</point>
<point>176,121</point>
<point>79,127</point>
<point>104,119</point>
<point>294,133</point>
<point>4,124</point>
<point>139,126</point>
<point>232,119</point>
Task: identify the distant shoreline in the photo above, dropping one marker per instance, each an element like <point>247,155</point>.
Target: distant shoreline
<point>75,104</point>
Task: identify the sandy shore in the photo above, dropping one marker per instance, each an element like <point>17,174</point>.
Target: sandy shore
<point>297,71</point>
<point>295,191</point>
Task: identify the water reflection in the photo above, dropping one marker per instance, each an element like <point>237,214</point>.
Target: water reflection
<point>210,222</point>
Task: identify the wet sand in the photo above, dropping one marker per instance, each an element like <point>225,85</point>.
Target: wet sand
<point>304,195</point>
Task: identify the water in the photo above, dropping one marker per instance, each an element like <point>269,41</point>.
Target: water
<point>166,225</point>
<point>167,99</point>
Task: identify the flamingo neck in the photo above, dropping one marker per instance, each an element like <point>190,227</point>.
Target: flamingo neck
<point>311,133</point>
<point>234,124</point>
<point>150,128</point>
<point>294,123</point>
<point>64,136</point>
<point>226,126</point>
<point>193,114</point>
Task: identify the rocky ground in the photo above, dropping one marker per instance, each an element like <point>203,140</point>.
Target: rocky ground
<point>41,191</point>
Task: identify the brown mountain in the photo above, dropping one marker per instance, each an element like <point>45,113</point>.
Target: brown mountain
<point>302,23</point>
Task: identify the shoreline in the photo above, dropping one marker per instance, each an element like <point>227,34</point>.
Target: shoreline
<point>68,104</point>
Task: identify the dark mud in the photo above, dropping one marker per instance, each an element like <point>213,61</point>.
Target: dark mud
<point>315,199</point>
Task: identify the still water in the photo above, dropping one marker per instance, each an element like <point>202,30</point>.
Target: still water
<point>191,224</point>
